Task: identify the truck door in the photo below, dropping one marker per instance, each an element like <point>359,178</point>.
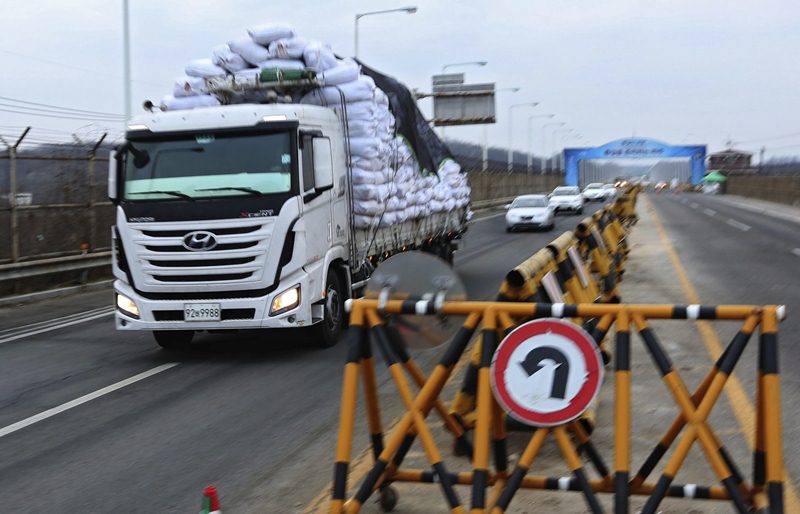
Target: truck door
<point>317,208</point>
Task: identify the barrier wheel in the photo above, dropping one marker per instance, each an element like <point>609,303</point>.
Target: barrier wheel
<point>388,499</point>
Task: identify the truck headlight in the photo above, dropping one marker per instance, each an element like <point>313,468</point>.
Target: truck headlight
<point>285,301</point>
<point>127,306</point>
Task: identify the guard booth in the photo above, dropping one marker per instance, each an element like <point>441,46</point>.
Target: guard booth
<point>694,157</point>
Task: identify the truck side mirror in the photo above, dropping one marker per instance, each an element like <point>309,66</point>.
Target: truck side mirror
<point>323,163</point>
<point>113,166</point>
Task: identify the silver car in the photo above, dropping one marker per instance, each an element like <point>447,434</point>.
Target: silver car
<point>530,211</point>
<point>567,198</point>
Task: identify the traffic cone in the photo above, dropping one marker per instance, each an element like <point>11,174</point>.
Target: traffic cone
<point>210,501</point>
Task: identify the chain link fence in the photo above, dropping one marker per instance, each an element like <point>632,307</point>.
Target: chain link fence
<point>53,200</point>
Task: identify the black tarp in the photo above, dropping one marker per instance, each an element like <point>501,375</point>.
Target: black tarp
<point>429,150</point>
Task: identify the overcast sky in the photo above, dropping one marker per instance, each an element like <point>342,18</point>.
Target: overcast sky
<point>682,71</point>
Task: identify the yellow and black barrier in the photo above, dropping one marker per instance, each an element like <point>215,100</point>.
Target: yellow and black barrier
<point>764,493</point>
<point>600,241</point>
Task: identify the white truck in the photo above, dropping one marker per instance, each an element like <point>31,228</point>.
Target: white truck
<point>239,217</point>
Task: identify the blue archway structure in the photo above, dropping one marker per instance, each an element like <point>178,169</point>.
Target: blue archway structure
<point>634,148</point>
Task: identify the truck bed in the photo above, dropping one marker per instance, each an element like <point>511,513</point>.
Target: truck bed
<point>370,241</point>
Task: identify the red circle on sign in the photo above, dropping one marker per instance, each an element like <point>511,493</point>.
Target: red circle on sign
<point>578,403</point>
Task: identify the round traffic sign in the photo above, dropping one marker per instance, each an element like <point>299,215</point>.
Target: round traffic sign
<point>546,372</point>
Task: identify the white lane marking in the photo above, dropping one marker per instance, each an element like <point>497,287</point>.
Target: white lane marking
<point>54,321</point>
<point>49,413</point>
<point>737,224</point>
<point>62,325</point>
<point>693,205</point>
<point>758,210</point>
<point>796,251</point>
<point>484,218</point>
<point>710,212</point>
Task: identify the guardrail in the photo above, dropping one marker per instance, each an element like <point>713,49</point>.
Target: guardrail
<point>57,265</point>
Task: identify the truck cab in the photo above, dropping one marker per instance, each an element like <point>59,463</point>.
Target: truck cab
<point>231,217</point>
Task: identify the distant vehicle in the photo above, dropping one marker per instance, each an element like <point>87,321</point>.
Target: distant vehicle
<point>594,192</point>
<point>567,198</point>
<point>530,211</point>
<point>660,186</point>
<point>621,184</point>
<point>611,192</point>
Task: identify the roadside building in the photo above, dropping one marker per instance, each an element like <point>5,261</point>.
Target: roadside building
<point>730,160</point>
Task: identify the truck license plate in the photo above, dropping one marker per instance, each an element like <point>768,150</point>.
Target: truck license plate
<point>201,312</point>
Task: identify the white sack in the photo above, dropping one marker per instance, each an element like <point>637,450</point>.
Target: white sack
<point>361,128</point>
<point>268,32</point>
<point>203,68</point>
<point>362,221</point>
<point>368,207</point>
<point>366,164</point>
<point>249,50</point>
<point>379,193</point>
<point>346,71</point>
<point>368,148</point>
<point>396,203</point>
<point>364,110</point>
<point>224,57</point>
<point>288,64</point>
<point>188,86</point>
<point>319,57</point>
<point>247,74</point>
<point>288,48</point>
<point>368,177</point>
<point>354,91</point>
<point>171,103</point>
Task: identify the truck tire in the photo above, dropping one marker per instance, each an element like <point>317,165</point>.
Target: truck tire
<point>326,333</point>
<point>173,339</point>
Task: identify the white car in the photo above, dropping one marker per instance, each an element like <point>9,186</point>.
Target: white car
<point>567,198</point>
<point>611,192</point>
<point>530,211</point>
<point>594,192</point>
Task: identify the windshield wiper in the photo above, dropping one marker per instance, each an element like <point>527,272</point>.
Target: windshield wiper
<point>171,193</point>
<point>250,190</point>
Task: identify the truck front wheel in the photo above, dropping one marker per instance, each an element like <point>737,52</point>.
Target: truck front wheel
<point>327,331</point>
<point>173,339</point>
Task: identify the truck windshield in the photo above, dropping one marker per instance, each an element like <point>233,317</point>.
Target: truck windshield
<point>205,166</point>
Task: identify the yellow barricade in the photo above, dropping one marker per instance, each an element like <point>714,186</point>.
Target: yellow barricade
<point>764,492</point>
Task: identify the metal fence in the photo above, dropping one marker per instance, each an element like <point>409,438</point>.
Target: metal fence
<point>53,200</point>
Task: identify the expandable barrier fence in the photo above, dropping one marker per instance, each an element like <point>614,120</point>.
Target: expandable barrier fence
<point>584,266</point>
<point>493,490</point>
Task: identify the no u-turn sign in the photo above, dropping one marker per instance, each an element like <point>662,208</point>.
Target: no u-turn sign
<point>546,372</point>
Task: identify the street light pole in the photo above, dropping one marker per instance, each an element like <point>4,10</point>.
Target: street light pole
<point>409,10</point>
<point>486,131</point>
<point>470,63</point>
<point>511,132</point>
<point>126,59</point>
<point>555,143</point>
<point>530,137</point>
<point>545,159</point>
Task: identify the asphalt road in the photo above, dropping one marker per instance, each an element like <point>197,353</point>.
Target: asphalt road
<point>92,420</point>
<point>736,256</point>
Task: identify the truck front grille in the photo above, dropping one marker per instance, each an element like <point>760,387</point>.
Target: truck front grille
<point>237,257</point>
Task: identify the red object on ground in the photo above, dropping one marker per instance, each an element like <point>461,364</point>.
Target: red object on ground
<point>211,493</point>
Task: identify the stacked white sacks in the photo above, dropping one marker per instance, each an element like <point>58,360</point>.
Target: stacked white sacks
<point>388,186</point>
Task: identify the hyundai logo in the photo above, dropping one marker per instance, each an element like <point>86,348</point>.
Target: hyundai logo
<point>199,241</point>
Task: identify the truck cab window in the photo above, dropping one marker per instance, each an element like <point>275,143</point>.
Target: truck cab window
<point>307,162</point>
